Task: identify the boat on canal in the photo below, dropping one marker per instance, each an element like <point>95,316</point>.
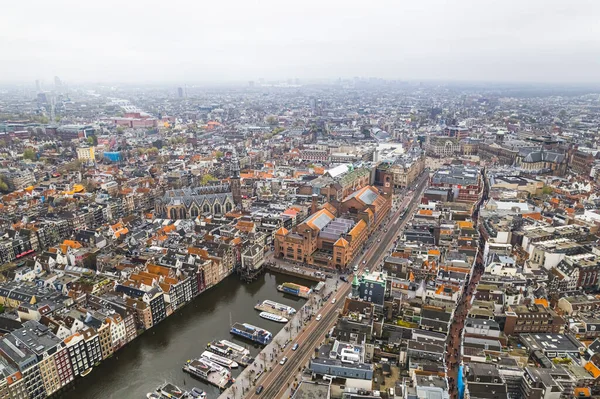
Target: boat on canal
<point>252,333</point>
<point>171,391</point>
<point>275,308</point>
<point>235,347</point>
<point>220,360</point>
<point>273,317</point>
<point>226,349</point>
<point>209,372</point>
<point>294,289</point>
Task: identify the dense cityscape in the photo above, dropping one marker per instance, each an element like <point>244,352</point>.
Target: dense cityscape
<point>361,238</point>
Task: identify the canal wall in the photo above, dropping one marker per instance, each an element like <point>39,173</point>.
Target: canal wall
<point>290,272</point>
<point>267,360</point>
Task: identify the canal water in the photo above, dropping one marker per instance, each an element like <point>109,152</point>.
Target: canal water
<point>158,355</point>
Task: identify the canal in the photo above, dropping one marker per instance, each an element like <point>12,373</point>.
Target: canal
<point>158,355</point>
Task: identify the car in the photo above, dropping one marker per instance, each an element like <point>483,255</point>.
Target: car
<point>283,360</point>
<point>344,279</point>
<point>296,269</point>
<point>364,262</point>
<point>319,317</point>
<point>259,389</point>
<point>329,276</point>
<point>355,269</point>
<point>295,346</point>
<point>333,300</point>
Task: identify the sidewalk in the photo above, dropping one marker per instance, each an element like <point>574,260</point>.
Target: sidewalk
<point>267,360</point>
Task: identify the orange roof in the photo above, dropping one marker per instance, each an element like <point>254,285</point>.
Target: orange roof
<point>433,252</point>
<point>463,224</point>
<point>582,392</point>
<point>310,223</point>
<point>169,228</point>
<point>282,231</point>
<point>592,369</point>
<point>534,215</point>
<point>198,251</point>
<point>357,229</point>
<point>73,244</point>
<point>157,269</point>
<point>341,242</point>
<point>426,212</point>
<point>290,212</point>
<point>541,301</point>
<point>554,200</point>
<point>329,207</point>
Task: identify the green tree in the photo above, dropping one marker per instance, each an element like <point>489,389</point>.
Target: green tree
<point>219,154</point>
<point>120,129</point>
<point>547,190</point>
<point>29,153</point>
<point>272,120</point>
<point>92,140</point>
<point>207,178</point>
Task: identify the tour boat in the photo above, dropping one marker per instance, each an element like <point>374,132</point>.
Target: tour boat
<point>273,317</point>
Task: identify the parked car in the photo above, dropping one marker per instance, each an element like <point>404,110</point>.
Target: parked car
<point>333,300</point>
<point>295,346</point>
<point>283,360</point>
<point>344,279</point>
<point>259,389</point>
<point>319,317</point>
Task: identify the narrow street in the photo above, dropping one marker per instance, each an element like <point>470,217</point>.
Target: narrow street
<point>453,356</point>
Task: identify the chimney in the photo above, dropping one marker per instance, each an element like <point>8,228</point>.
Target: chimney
<point>314,206</point>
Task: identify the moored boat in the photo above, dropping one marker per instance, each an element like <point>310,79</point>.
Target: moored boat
<point>253,333</point>
<point>220,360</point>
<point>273,317</point>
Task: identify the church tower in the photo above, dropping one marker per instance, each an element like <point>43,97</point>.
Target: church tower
<point>236,186</point>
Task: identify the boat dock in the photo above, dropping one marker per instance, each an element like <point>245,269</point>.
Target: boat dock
<point>217,376</point>
<point>275,308</point>
<point>241,356</point>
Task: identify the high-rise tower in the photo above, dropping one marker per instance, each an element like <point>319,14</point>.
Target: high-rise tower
<point>236,186</point>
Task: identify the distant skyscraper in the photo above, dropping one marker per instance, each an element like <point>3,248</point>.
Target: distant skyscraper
<point>180,92</point>
<point>38,87</point>
<point>57,82</point>
<point>251,83</point>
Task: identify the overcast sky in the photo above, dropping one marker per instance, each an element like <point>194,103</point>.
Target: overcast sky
<point>226,40</point>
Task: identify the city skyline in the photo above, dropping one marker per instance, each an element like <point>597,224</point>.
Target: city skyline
<point>236,42</point>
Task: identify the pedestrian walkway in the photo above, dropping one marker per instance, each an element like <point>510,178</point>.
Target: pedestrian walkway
<point>269,357</point>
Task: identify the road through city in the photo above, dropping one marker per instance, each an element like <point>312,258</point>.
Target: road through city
<point>277,382</point>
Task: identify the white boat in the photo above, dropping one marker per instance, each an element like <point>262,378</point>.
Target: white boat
<point>279,306</point>
<point>212,365</point>
<point>235,347</point>
<point>223,361</point>
<point>273,317</point>
<point>86,372</point>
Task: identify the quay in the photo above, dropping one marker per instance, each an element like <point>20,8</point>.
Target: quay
<point>288,270</point>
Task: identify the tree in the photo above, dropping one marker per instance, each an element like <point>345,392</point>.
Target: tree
<point>92,140</point>
<point>219,154</point>
<point>120,129</point>
<point>272,120</point>
<point>89,185</point>
<point>6,185</point>
<point>547,190</point>
<point>207,178</point>
<point>30,154</point>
